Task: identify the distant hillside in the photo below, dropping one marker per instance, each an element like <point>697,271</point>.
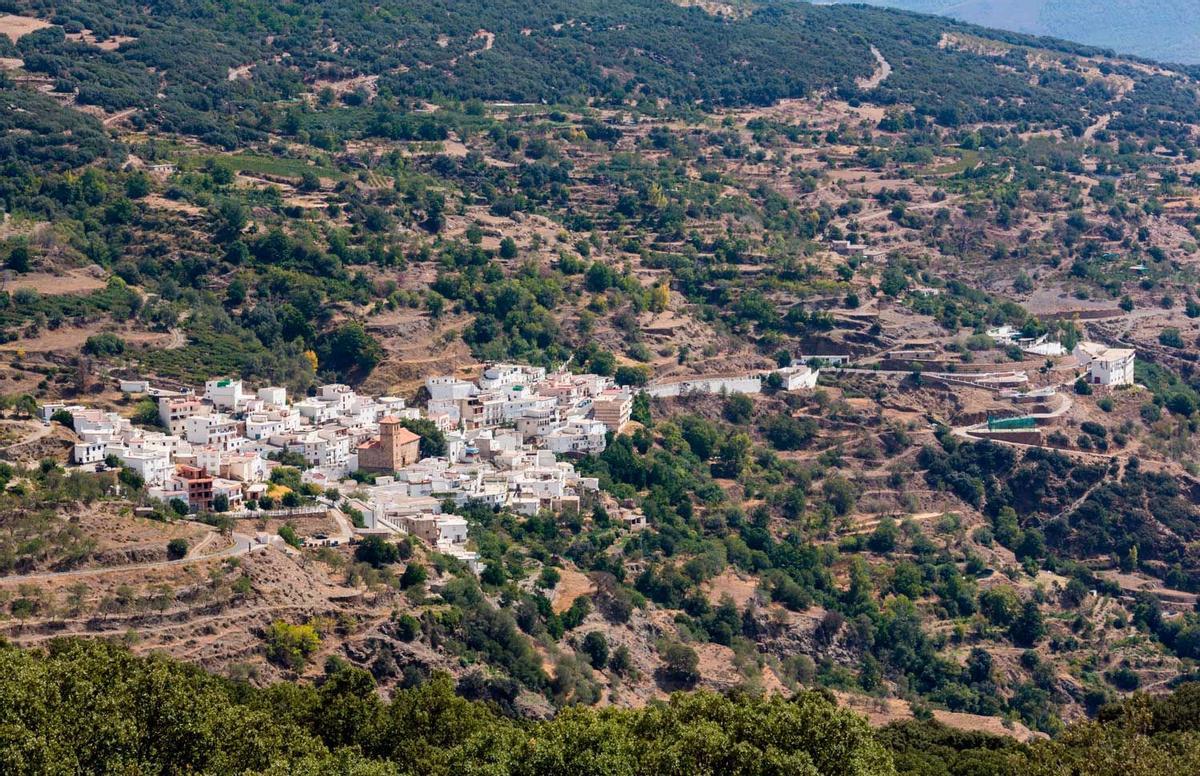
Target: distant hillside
<point>1167,30</point>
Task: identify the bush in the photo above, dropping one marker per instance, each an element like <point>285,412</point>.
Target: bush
<point>1171,338</point>
<point>414,574</point>
<point>131,479</point>
<point>407,627</point>
<point>1181,404</point>
<point>632,375</point>
<point>146,413</point>
<point>375,551</point>
<point>289,535</point>
<point>738,408</point>
<point>1124,679</point>
<point>104,344</point>
<point>595,645</point>
<point>785,432</point>
<point>350,349</point>
<point>291,645</point>
<point>177,548</point>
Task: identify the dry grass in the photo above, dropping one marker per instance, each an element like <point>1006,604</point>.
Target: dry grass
<point>17,27</point>
<point>76,281</point>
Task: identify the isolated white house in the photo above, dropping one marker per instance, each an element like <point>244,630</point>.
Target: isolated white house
<point>800,377</point>
<point>1105,365</point>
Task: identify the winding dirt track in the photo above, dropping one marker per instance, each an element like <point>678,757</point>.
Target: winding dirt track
<point>883,69</point>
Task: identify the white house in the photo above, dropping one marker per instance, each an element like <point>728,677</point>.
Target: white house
<point>220,431</point>
<point>580,437</point>
<point>799,377</point>
<point>317,411</point>
<point>273,396</point>
<point>224,394</point>
<point>174,411</point>
<point>88,452</point>
<point>449,389</point>
<point>154,466</point>
<point>497,376</point>
<point>1105,365</point>
<point>264,425</point>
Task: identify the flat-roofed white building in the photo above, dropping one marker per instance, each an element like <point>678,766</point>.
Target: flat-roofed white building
<point>577,437</point>
<point>1105,365</point>
<point>224,394</point>
<point>88,452</point>
<point>316,411</point>
<point>449,388</point>
<point>154,466</point>
<point>273,396</point>
<point>219,431</point>
<point>496,376</point>
<point>796,378</point>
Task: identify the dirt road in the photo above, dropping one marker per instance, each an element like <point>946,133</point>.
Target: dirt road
<point>241,545</point>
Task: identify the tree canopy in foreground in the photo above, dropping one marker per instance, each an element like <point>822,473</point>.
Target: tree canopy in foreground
<point>93,707</point>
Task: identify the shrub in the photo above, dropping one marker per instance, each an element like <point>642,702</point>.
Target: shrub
<point>595,645</point>
<point>375,551</point>
<point>414,574</point>
<point>407,627</point>
<point>1171,338</point>
<point>632,375</point>
<point>131,479</point>
<point>291,645</point>
<point>289,535</point>
<point>104,344</point>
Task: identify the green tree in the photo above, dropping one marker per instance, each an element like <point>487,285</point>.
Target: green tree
<point>680,664</point>
<point>732,456</point>
<point>508,248</point>
<point>433,441</point>
<point>289,535</point>
<point>376,551</point>
<point>595,646</point>
<point>1029,627</point>
<point>414,575</point>
<point>738,408</point>
<point>350,349</point>
<point>18,257</point>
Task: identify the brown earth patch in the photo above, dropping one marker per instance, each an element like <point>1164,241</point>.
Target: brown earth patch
<point>76,281</point>
<point>17,27</point>
<point>571,585</point>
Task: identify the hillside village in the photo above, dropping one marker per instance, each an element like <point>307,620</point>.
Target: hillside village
<point>504,440</point>
<point>498,439</point>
